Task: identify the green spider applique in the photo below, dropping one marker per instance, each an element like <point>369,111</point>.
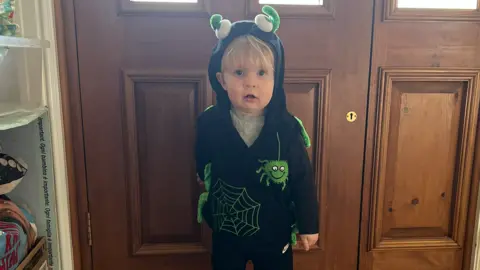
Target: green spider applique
<point>275,171</point>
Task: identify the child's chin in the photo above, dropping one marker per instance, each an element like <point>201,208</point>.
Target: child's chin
<point>250,109</point>
<point>253,107</point>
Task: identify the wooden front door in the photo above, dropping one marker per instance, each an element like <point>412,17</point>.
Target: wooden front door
<point>420,190</point>
<point>142,70</point>
<point>143,79</point>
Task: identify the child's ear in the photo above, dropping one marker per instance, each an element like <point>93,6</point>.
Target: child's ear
<point>220,79</point>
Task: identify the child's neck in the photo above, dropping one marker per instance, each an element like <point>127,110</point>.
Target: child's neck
<point>247,124</point>
<point>254,113</point>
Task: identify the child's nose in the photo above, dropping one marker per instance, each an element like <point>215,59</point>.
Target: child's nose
<point>250,85</point>
<point>250,81</point>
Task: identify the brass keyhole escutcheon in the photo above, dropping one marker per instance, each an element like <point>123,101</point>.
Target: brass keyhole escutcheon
<point>351,116</point>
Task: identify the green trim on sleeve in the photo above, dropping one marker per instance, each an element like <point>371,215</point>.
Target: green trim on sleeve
<point>305,136</point>
<point>204,196</point>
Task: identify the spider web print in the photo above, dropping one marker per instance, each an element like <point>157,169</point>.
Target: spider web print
<point>235,211</point>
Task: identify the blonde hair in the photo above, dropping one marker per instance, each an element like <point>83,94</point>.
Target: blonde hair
<point>248,48</point>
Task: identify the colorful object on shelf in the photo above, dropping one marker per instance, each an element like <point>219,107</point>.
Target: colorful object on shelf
<point>13,245</point>
<point>30,218</point>
<point>12,172</point>
<point>10,212</point>
<point>7,11</point>
<point>8,30</point>
<point>7,8</point>
<point>18,232</point>
<point>17,236</point>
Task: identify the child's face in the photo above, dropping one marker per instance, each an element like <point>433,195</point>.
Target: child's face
<point>249,86</point>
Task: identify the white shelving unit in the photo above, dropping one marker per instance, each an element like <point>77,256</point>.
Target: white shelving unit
<point>31,126</point>
<point>14,116</point>
<point>20,42</point>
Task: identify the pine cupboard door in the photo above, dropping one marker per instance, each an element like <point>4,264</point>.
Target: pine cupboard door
<point>420,190</point>
<point>142,69</point>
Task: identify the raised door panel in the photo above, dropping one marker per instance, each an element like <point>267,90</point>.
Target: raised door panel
<point>419,202</point>
<point>424,151</point>
<point>306,92</point>
<point>421,159</point>
<point>159,119</point>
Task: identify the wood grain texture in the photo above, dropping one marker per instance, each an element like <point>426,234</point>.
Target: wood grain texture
<point>424,155</point>
<point>73,130</point>
<point>411,45</point>
<point>400,260</point>
<point>471,256</point>
<point>307,92</point>
<point>161,108</point>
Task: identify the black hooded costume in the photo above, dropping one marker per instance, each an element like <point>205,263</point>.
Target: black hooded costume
<point>258,195</point>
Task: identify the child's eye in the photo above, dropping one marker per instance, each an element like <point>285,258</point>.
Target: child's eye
<point>238,72</point>
<point>262,73</point>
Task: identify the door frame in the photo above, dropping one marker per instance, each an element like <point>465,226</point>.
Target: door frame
<point>473,229</point>
<point>75,155</point>
<point>65,31</point>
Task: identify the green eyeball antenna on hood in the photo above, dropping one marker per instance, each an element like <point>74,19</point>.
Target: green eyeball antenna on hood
<point>267,22</point>
<point>221,26</point>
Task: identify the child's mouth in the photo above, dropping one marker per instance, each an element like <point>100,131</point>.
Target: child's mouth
<point>250,97</point>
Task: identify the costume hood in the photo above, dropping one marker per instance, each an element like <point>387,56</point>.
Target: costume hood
<point>263,27</point>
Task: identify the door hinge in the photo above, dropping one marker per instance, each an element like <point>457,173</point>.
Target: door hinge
<point>89,230</point>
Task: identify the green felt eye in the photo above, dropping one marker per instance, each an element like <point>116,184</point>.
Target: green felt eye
<point>215,21</point>
<point>273,17</point>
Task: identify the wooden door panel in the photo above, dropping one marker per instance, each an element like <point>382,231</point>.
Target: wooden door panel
<point>423,112</point>
<point>401,260</point>
<point>424,152</point>
<point>161,108</point>
<point>421,160</point>
<point>122,57</point>
<point>306,95</point>
<point>303,102</point>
